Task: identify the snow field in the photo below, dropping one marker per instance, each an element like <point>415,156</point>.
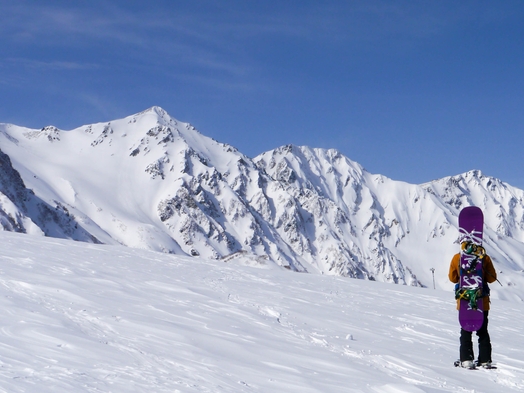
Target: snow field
<point>90,318</point>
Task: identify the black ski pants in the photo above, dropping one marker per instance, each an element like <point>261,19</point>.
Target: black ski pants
<point>466,344</point>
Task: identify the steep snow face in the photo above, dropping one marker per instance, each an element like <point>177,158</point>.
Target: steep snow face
<point>150,181</point>
<point>395,231</point>
<point>22,211</point>
<point>335,219</point>
<point>503,207</point>
<point>502,204</point>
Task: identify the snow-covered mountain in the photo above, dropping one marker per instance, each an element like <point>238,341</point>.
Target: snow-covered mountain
<point>149,181</point>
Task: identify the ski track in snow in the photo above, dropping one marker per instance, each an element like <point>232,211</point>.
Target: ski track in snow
<point>90,318</point>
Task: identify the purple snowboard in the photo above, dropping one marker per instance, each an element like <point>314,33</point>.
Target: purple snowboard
<point>471,222</point>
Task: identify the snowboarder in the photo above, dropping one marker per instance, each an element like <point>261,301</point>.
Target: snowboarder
<point>489,276</point>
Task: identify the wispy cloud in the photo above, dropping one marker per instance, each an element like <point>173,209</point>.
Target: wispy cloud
<point>221,24</point>
<point>218,41</point>
<point>49,65</point>
<point>38,23</point>
<point>152,36</point>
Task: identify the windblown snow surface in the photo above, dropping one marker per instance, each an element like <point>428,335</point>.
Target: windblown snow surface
<point>79,317</point>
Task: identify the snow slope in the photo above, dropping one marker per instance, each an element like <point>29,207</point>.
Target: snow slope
<point>80,317</point>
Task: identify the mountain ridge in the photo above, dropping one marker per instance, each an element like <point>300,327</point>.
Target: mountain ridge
<point>150,181</point>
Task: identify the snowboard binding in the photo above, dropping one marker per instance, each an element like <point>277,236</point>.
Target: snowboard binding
<point>470,248</point>
<point>471,294</point>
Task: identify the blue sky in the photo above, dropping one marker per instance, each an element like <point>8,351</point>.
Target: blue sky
<point>413,90</point>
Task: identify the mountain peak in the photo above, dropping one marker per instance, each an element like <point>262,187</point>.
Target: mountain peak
<point>156,114</point>
<point>474,173</point>
<point>160,112</point>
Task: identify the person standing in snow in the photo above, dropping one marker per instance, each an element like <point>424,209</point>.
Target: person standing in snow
<point>484,341</point>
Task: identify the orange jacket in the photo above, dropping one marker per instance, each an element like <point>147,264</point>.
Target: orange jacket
<point>490,274</point>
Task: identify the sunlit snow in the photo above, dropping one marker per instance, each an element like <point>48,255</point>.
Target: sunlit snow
<point>79,317</point>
